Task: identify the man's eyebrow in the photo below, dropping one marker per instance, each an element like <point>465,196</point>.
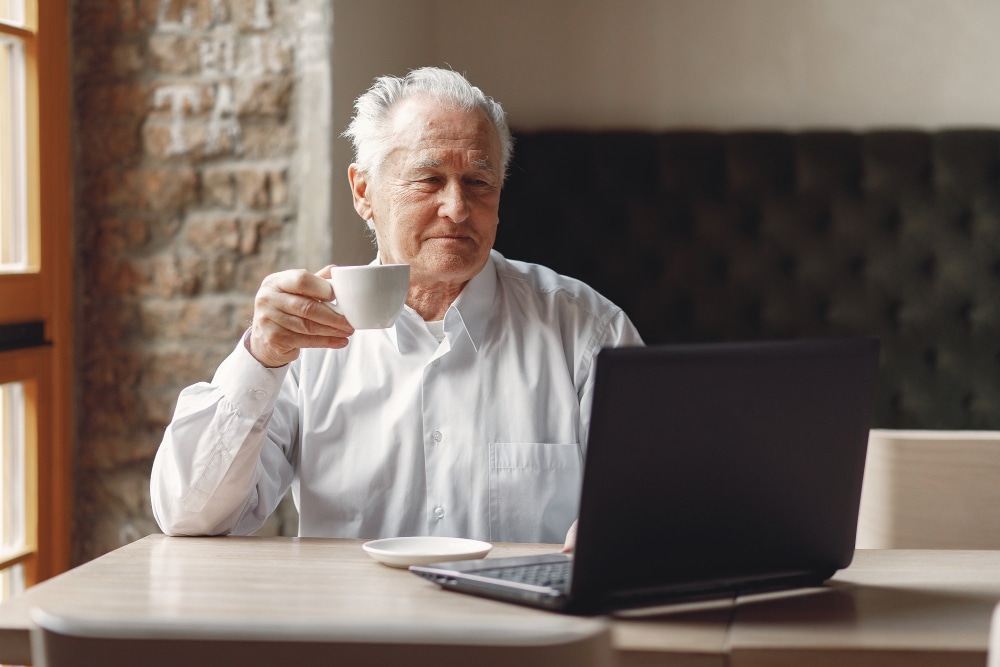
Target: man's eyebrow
<point>484,163</point>
<point>429,163</point>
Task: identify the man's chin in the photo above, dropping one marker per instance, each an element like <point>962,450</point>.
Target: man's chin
<point>449,267</point>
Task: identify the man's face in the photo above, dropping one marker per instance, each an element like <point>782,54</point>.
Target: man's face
<point>435,201</point>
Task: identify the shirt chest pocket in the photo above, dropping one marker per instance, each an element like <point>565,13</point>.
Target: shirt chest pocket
<point>534,490</point>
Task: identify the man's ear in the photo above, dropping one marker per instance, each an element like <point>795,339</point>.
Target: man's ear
<point>359,190</point>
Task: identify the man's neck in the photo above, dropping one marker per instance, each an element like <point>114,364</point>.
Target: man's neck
<point>432,301</point>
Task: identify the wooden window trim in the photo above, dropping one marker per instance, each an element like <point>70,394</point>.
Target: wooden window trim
<point>45,290</point>
<point>15,31</point>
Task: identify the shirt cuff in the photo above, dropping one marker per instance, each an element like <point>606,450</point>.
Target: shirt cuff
<point>250,386</point>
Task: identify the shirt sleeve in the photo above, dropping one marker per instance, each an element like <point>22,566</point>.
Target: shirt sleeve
<point>223,464</point>
<point>618,331</point>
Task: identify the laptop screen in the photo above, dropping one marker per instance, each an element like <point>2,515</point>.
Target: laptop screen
<point>723,463</point>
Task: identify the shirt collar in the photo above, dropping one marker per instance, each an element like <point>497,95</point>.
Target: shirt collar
<point>475,304</point>
<point>469,313</point>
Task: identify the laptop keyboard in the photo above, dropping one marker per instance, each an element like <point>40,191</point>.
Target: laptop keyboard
<point>553,575</point>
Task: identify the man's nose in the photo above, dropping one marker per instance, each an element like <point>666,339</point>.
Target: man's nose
<point>454,203</point>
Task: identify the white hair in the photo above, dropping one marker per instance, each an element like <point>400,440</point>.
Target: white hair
<point>369,129</point>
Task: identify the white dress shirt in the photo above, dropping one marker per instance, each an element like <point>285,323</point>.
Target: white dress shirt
<point>480,435</point>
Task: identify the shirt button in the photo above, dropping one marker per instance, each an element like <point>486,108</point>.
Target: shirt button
<point>439,512</point>
<point>258,393</point>
<point>436,436</point>
<point>436,363</point>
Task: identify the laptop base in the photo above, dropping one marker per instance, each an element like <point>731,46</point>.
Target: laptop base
<point>460,576</point>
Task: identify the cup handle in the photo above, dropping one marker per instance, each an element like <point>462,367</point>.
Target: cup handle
<point>335,307</point>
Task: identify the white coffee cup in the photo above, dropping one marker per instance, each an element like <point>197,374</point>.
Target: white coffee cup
<point>370,296</point>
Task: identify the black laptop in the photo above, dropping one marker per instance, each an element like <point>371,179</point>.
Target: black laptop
<point>712,470</point>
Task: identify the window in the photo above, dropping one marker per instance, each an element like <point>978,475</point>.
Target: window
<point>13,223</point>
<point>36,424</point>
<point>12,484</point>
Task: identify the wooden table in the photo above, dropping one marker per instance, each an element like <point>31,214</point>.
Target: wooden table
<point>890,607</point>
<point>905,607</point>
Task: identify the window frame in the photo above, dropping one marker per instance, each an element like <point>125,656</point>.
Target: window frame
<point>43,292</point>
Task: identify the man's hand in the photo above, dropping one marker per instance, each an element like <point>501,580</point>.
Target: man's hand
<point>570,543</point>
<point>289,314</point>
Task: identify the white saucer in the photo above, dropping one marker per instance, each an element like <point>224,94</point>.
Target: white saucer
<point>406,551</point>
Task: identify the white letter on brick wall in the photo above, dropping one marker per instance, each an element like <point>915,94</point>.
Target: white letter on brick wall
<point>268,55</point>
<point>262,15</point>
<point>164,25</point>
<point>218,54</point>
<point>178,96</point>
<point>224,121</point>
<point>218,12</point>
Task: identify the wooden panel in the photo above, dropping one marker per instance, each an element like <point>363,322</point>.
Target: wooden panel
<point>21,298</point>
<point>56,215</point>
<point>931,490</point>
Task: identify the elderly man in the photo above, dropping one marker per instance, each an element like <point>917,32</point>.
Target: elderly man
<point>467,418</point>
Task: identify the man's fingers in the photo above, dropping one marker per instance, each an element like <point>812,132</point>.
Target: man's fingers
<point>303,316</point>
<point>286,342</point>
<point>570,544</point>
<point>325,271</point>
<point>274,341</point>
<point>290,314</point>
<point>321,319</point>
<point>295,300</point>
<point>279,323</point>
<point>298,282</point>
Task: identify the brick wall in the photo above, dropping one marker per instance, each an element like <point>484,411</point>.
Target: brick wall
<point>185,199</point>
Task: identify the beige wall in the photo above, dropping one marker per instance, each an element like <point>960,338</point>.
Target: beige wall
<point>370,38</point>
<point>731,63</point>
<point>724,64</point>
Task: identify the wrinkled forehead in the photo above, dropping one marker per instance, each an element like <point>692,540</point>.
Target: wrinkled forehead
<point>421,123</point>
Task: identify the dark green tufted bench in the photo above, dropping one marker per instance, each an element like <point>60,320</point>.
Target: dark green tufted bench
<point>705,236</point>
